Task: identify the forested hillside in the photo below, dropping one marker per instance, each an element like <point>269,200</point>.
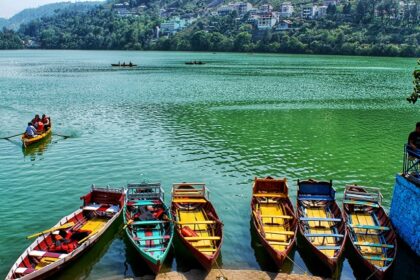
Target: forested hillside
<point>361,27</point>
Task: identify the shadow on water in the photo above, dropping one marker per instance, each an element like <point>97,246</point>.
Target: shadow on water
<point>135,266</point>
<point>85,263</point>
<point>314,265</point>
<point>264,260</point>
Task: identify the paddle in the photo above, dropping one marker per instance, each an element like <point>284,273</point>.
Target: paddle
<point>65,136</point>
<point>87,237</point>
<point>67,225</point>
<point>5,138</point>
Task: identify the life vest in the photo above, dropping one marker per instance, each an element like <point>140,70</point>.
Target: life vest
<point>188,232</point>
<point>40,126</point>
<point>158,213</point>
<point>66,247</point>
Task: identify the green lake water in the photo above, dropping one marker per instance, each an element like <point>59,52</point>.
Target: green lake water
<point>222,123</point>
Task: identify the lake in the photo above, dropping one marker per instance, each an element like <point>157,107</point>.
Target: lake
<point>222,123</point>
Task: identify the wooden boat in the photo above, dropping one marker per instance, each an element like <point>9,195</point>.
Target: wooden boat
<point>273,217</point>
<point>149,223</point>
<point>123,65</point>
<point>321,223</point>
<point>196,222</point>
<point>29,141</point>
<point>71,236</point>
<point>195,62</point>
<point>370,231</point>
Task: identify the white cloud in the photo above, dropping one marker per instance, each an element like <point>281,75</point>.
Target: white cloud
<point>8,8</point>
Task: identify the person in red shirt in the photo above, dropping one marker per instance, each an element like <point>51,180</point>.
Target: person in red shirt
<point>40,127</point>
<point>46,121</point>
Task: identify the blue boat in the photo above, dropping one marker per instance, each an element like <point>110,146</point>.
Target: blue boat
<point>148,223</point>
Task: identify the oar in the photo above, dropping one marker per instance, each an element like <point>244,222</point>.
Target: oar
<point>51,229</point>
<point>5,138</point>
<point>65,136</point>
<point>86,238</point>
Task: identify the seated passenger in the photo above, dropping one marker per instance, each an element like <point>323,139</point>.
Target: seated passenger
<point>30,131</point>
<point>40,127</point>
<point>414,138</point>
<point>46,121</point>
<point>35,120</point>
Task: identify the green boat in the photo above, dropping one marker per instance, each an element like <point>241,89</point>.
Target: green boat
<point>148,223</point>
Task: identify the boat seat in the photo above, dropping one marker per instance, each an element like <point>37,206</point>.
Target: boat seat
<point>289,233</point>
<point>24,270</point>
<point>319,219</point>
<point>368,227</point>
<point>151,238</point>
<point>376,258</point>
<point>196,222</point>
<point>153,250</point>
<point>143,202</point>
<point>379,245</point>
<point>189,200</point>
<point>278,238</point>
<point>198,238</point>
<point>363,203</point>
<point>275,195</point>
<point>142,223</point>
<point>278,243</point>
<point>277,217</point>
<point>97,207</point>
<point>42,254</point>
<point>328,247</point>
<point>324,235</point>
<point>207,249</point>
<point>315,197</point>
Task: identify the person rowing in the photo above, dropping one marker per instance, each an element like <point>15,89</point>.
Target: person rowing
<point>30,131</point>
<point>46,121</point>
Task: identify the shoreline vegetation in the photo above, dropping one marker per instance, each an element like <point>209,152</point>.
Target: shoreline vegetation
<point>361,27</point>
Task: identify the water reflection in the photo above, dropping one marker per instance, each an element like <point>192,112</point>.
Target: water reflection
<point>264,260</point>
<point>36,150</point>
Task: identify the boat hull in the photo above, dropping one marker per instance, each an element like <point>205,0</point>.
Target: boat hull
<point>29,141</point>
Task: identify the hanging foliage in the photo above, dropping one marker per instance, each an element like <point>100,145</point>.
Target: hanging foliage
<point>416,91</point>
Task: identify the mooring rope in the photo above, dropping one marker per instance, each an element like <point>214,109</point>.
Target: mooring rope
<point>221,272</point>
<point>301,268</point>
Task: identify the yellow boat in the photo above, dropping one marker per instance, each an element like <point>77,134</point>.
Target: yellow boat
<point>29,141</point>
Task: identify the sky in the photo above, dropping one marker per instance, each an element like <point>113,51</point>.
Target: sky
<point>8,8</point>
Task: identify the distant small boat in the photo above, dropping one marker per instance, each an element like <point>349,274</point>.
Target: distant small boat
<point>148,222</point>
<point>320,221</point>
<point>71,236</point>
<point>371,234</point>
<point>197,224</point>
<point>26,141</point>
<point>273,217</point>
<point>195,62</point>
<point>123,64</point>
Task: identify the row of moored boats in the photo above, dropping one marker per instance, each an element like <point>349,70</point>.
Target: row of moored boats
<point>151,226</point>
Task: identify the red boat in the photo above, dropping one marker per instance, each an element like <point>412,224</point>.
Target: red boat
<point>273,217</point>
<point>321,223</point>
<point>196,222</point>
<point>371,234</point>
<point>71,236</point>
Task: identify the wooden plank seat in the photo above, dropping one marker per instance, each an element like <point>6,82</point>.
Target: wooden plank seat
<point>198,238</point>
<point>328,247</point>
<point>277,217</point>
<point>377,258</point>
<point>24,270</point>
<point>37,253</point>
<point>368,227</point>
<point>151,238</point>
<point>154,249</point>
<point>358,196</point>
<point>271,195</point>
<point>315,197</point>
<point>196,222</point>
<point>142,223</point>
<point>143,202</point>
<point>98,207</point>
<point>207,249</point>
<point>324,235</point>
<point>189,200</point>
<point>278,243</point>
<point>378,245</point>
<point>362,203</point>
<point>289,233</point>
<point>273,238</point>
<point>319,219</point>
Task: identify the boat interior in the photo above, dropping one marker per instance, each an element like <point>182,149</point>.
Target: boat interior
<point>196,219</point>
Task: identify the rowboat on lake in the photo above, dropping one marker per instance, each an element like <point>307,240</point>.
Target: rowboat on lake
<point>321,223</point>
<point>71,236</point>
<point>196,222</point>
<point>148,223</point>
<point>273,217</point>
<point>370,231</point>
<point>26,141</point>
<point>123,64</point>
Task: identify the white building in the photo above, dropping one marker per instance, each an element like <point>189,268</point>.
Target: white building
<point>225,10</point>
<point>174,25</point>
<point>284,25</point>
<point>319,11</point>
<point>330,2</point>
<point>243,7</point>
<point>266,21</point>
<point>286,9</point>
<point>266,8</point>
<point>307,12</point>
